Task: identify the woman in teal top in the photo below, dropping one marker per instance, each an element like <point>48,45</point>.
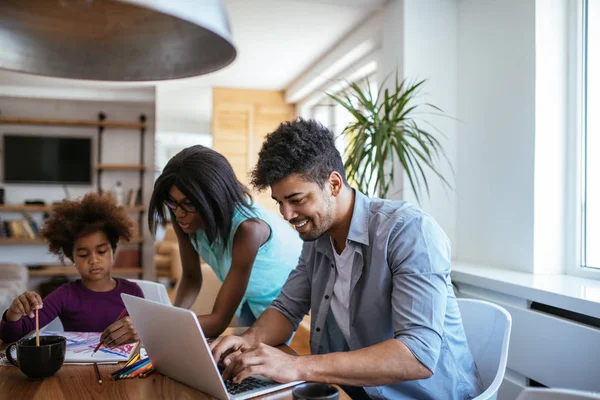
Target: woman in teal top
<point>251,250</point>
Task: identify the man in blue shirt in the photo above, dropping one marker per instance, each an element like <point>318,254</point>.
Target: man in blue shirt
<point>375,275</point>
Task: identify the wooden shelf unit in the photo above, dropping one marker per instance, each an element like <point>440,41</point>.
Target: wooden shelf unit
<point>36,208</point>
<point>17,240</point>
<point>101,124</point>
<point>71,271</point>
<point>120,167</point>
<point>71,122</point>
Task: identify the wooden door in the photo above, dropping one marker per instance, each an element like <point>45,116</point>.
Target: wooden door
<point>241,120</point>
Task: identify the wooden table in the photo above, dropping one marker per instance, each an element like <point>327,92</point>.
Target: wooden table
<point>79,382</point>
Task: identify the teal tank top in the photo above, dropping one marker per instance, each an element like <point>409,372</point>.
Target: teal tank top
<point>276,258</point>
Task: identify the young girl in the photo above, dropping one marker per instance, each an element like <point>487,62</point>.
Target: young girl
<point>251,250</point>
<point>86,232</point>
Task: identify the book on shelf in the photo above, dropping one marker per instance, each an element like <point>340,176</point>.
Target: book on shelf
<point>20,228</point>
<point>133,198</point>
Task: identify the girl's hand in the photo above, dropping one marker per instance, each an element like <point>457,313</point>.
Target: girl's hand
<point>24,305</point>
<point>121,332</point>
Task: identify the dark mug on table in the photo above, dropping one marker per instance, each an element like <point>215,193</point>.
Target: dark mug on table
<point>315,391</point>
<point>41,361</point>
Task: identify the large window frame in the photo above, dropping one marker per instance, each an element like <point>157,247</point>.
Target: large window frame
<point>578,228</point>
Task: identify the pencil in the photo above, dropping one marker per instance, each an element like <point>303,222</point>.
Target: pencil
<point>140,370</point>
<point>131,367</point>
<point>97,373</point>
<point>37,328</point>
<point>118,318</point>
<point>148,373</point>
<point>136,368</point>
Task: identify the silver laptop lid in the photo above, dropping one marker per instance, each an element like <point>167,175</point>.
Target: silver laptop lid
<point>171,338</point>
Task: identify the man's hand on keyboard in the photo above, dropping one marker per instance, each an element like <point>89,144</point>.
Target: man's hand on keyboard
<point>261,360</point>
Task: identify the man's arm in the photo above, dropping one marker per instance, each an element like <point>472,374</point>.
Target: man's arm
<point>418,257</point>
<point>277,323</point>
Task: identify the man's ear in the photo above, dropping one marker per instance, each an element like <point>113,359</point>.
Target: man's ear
<point>336,183</point>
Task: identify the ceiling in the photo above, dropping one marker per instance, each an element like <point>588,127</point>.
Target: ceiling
<point>276,41</point>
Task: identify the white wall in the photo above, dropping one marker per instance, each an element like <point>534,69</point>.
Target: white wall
<point>496,135</point>
<point>551,126</point>
<point>183,109</point>
<point>420,41</point>
<point>119,146</point>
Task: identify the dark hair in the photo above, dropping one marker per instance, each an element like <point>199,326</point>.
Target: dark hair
<point>209,183</point>
<point>72,219</point>
<point>302,147</point>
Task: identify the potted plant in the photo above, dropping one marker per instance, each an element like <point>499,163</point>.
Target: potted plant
<point>388,127</point>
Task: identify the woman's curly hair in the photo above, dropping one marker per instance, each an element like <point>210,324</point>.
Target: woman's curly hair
<point>72,219</point>
<point>304,147</point>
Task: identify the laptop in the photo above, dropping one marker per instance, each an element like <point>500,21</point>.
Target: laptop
<point>177,347</point>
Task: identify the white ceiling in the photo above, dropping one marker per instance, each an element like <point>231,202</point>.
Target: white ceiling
<point>276,41</point>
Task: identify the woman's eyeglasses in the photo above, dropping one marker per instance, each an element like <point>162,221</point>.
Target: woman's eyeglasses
<point>187,206</point>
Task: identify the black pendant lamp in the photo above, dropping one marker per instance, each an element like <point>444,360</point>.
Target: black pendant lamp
<point>115,40</point>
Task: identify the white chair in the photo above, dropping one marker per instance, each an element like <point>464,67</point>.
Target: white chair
<point>487,328</point>
<point>152,291</point>
<point>556,394</point>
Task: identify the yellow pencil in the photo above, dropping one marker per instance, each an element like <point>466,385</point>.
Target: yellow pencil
<point>134,359</point>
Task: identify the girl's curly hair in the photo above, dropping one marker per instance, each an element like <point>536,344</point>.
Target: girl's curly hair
<point>72,219</point>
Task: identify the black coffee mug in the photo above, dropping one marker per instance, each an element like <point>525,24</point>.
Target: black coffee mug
<point>41,361</point>
<point>315,391</point>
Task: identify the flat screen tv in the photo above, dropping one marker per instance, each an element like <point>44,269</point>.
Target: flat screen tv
<point>47,159</point>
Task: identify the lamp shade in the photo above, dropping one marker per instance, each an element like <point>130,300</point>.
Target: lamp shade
<point>115,40</point>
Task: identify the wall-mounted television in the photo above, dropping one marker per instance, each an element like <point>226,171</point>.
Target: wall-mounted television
<point>47,159</point>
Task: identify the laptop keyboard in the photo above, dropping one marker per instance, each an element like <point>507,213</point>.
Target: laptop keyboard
<point>247,385</point>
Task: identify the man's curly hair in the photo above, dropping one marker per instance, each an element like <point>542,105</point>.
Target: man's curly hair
<point>72,219</point>
<point>304,147</point>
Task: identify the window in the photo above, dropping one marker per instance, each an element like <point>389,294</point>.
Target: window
<point>336,117</point>
<point>591,136</point>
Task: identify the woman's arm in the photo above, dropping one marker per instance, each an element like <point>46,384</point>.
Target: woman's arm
<point>191,277</point>
<point>250,235</point>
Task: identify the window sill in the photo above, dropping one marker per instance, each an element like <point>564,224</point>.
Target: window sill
<point>571,293</point>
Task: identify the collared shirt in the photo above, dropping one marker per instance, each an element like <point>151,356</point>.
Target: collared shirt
<point>400,289</point>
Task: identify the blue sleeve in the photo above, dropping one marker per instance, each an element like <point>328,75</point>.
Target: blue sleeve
<point>419,258</point>
<point>294,299</point>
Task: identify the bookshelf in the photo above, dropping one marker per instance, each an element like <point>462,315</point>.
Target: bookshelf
<point>20,208</point>
<point>103,127</point>
<point>61,270</point>
<point>21,240</point>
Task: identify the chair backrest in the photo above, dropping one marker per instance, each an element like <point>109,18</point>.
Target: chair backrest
<point>487,328</point>
<point>153,291</point>
<point>556,394</point>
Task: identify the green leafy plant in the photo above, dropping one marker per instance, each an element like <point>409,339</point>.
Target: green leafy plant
<point>387,127</point>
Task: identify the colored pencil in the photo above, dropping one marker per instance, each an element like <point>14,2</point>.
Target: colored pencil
<point>148,373</point>
<point>138,371</point>
<point>118,318</point>
<point>130,367</point>
<point>134,359</point>
<point>97,373</point>
<point>136,368</point>
<point>37,328</point>
<point>142,370</point>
